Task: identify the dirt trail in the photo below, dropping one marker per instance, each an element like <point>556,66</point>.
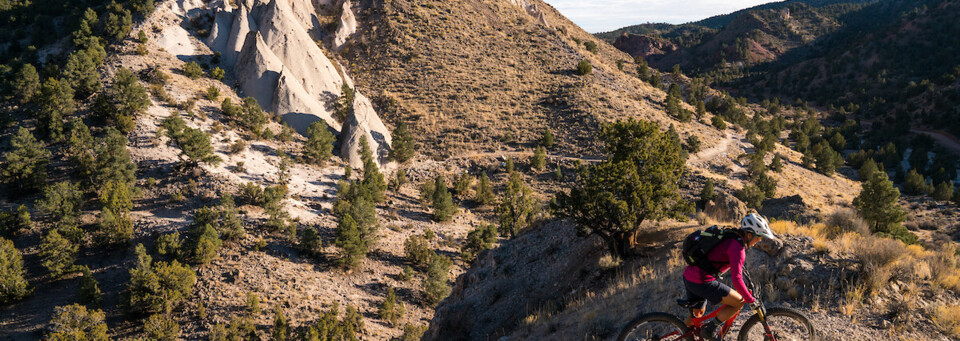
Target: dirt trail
<point>944,138</point>
<point>720,149</point>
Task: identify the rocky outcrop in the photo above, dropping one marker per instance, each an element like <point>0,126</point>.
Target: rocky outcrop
<point>348,26</point>
<point>241,26</point>
<point>642,46</point>
<point>725,207</point>
<point>258,70</point>
<point>222,25</point>
<point>297,107</point>
<point>364,122</point>
<point>532,9</point>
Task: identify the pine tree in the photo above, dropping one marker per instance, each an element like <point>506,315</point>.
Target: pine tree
<point>122,101</point>
<point>159,287</point>
<point>509,167</point>
<point>310,242</point>
<point>707,193</point>
<point>13,286</point>
<point>402,145</point>
<point>546,139</point>
<point>89,290</point>
<point>914,184</point>
<point>81,74</point>
<point>58,253</point>
<point>516,207</point>
<point>373,185</point>
<point>943,191</point>
<point>25,167</point>
<point>113,160</point>
<point>484,193</point>
<point>352,246</point>
<point>161,327</point>
<point>55,103</point>
<point>204,243</point>
<point>76,322</point>
<point>319,146</point>
<point>61,203</point>
<point>399,179</point>
<point>281,328</point>
<point>117,22</point>
<point>435,286</point>
<point>776,164</point>
<point>343,106</point>
<point>417,250</point>
<point>116,226</point>
<point>443,208</point>
<point>192,70</point>
<point>25,83</point>
<point>461,185</point>
<point>478,240</point>
<point>877,202</point>
<point>195,145</point>
<point>231,226</point>
<point>539,159</point>
<point>142,7</point>
<point>392,309</point>
<point>80,149</point>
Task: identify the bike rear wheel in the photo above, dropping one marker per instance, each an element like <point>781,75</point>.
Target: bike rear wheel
<point>655,326</point>
<point>786,325</point>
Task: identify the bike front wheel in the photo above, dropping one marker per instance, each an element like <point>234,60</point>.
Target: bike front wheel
<point>785,325</point>
<point>655,326</point>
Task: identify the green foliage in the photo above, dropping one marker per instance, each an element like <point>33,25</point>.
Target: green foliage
<point>212,93</point>
<point>79,150</point>
<point>113,160</point>
<point>24,167</point>
<point>11,222</point>
<point>319,146</point>
<point>57,253</point>
<point>827,159</point>
<point>343,106</point>
<point>867,169</point>
<point>402,147</point>
<point>391,309</point>
<point>192,70</point>
<point>123,100</point>
<point>417,250</point>
<point>81,74</point>
<point>195,145</point>
<point>75,322</point>
<point>484,193</point>
<point>426,192</point>
<point>25,84</point>
<point>13,286</point>
<point>281,328</point>
<point>330,327</point>
<point>169,244</point>
<point>478,240</point>
<point>116,226</point>
<point>509,167</point>
<point>915,184</point>
<point>161,327</point>
<point>217,73</point>
<point>142,37</point>
<point>398,180</point>
<point>693,144</point>
<point>54,103</point>
<point>442,203</point>
<point>373,186</point>
<point>435,286</point>
<point>406,275</point>
<point>707,193</point>
<point>310,242</point>
<point>776,164</point>
<point>516,208</point>
<point>352,246</point>
<point>61,204</point>
<point>638,181</point>
<point>160,286</point>
<point>546,139</point>
<point>229,109</point>
<point>943,191</point>
<point>877,203</point>
<point>413,332</point>
<point>591,46</point>
<point>539,159</point>
<point>718,123</point>
<point>461,184</point>
<point>89,290</point>
<point>752,196</point>
<point>584,68</point>
<point>240,328</point>
<point>252,303</point>
<point>203,243</point>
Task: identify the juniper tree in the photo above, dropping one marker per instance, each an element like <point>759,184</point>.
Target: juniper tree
<point>539,159</point>
<point>435,286</point>
<point>398,180</point>
<point>122,101</point>
<point>117,22</point>
<point>13,285</point>
<point>478,240</point>
<point>25,83</point>
<point>372,184</point>
<point>461,185</point>
<point>707,193</point>
<point>943,191</point>
<point>61,203</point>
<point>57,253</point>
<point>310,242</point>
<point>80,150</point>
<point>116,226</point>
<point>231,226</point>
<point>203,243</point>
<point>516,208</point>
<point>638,181</point>
<point>442,204</point>
<point>343,106</point>
<point>89,289</point>
<point>392,309</point>
<point>915,184</point>
<point>352,247</point>
<point>81,74</point>
<point>319,146</point>
<point>417,250</point>
<point>546,139</point>
<point>161,327</point>
<point>158,287</point>
<point>776,164</point>
<point>76,322</point>
<point>877,202</point>
<point>402,145</point>
<point>281,328</point>
<point>113,160</point>
<point>55,102</point>
<point>484,193</point>
<point>584,68</point>
<point>195,146</point>
<point>509,166</point>
<point>11,222</point>
<point>192,70</point>
<point>25,167</point>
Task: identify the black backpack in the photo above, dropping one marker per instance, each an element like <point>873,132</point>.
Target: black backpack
<point>699,243</point>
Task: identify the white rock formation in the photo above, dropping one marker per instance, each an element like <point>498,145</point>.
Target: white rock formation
<point>531,9</point>
<point>258,70</point>
<point>242,25</point>
<point>297,107</point>
<point>222,24</point>
<point>348,26</point>
<point>364,122</point>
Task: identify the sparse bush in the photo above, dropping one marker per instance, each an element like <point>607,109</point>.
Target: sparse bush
<point>253,303</point>
<point>406,275</point>
<point>13,286</point>
<point>947,318</point>
<point>413,332</point>
<point>392,309</point>
<point>484,193</point>
<point>281,328</point>
<point>752,196</point>
<point>217,73</point>
<point>330,327</point>
<point>75,322</point>
<point>591,46</point>
<point>478,240</point>
<point>546,139</point>
<point>417,250</point>
<point>212,93</point>
<point>584,68</point>
<point>516,208</point>
<point>238,147</point>
<point>693,144</point>
<point>539,159</point>
<point>192,70</point>
<point>161,327</point>
<point>435,286</point>
<point>707,193</point>
<point>398,180</point>
<point>462,184</point>
<point>876,255</point>
<point>843,221</point>
<point>142,37</point>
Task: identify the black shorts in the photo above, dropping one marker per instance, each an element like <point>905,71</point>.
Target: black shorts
<point>712,291</point>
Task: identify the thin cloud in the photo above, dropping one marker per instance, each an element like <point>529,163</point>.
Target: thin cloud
<point>608,15</point>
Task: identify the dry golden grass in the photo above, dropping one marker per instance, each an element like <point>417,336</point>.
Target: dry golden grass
<point>947,318</point>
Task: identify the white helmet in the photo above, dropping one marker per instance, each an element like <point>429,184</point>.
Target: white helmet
<point>756,224</point>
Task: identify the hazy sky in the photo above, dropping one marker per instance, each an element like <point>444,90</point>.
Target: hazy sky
<point>608,15</point>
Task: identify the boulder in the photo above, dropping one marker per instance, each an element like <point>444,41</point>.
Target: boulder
<point>725,207</point>
<point>348,26</point>
<point>787,208</point>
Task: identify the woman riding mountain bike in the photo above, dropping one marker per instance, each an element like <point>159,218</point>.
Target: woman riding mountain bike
<point>728,255</point>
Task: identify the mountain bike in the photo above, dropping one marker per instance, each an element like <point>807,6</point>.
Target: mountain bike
<point>774,324</point>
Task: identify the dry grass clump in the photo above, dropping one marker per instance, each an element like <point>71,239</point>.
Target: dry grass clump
<point>947,318</point>
<point>877,257</point>
<point>845,220</point>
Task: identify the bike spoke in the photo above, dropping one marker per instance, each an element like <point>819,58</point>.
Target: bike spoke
<point>783,328</point>
<point>655,330</point>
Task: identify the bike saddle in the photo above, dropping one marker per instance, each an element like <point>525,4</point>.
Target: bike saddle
<point>690,304</point>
